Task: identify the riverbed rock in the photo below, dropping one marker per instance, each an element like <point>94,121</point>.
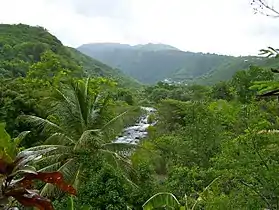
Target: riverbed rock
<point>134,133</point>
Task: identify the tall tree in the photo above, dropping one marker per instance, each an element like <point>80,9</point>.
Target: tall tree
<point>77,127</point>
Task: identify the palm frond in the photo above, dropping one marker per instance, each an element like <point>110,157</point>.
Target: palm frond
<point>72,107</point>
<point>48,154</point>
<point>82,95</point>
<point>21,136</point>
<point>80,103</point>
<point>112,128</point>
<point>118,117</point>
<point>51,167</point>
<point>118,158</point>
<point>86,137</point>
<point>123,149</point>
<point>59,139</point>
<point>78,177</point>
<point>98,98</point>
<point>57,148</point>
<point>27,156</point>
<point>97,108</point>
<point>12,149</point>
<point>40,123</point>
<point>51,159</point>
<point>93,112</point>
<point>93,117</point>
<point>113,120</point>
<point>119,162</point>
<point>35,151</point>
<point>86,86</point>
<point>62,97</point>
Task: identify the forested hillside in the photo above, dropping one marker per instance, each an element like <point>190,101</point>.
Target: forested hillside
<point>203,147</point>
<point>24,47</point>
<point>152,64</point>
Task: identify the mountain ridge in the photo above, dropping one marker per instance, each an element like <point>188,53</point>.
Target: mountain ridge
<point>152,63</point>
<point>115,45</point>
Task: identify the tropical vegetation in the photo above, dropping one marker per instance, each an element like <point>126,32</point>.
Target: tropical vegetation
<point>207,146</point>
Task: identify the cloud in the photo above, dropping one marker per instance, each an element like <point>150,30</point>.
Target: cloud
<point>105,8</point>
<point>219,26</point>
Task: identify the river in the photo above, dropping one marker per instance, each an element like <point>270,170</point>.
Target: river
<point>134,133</point>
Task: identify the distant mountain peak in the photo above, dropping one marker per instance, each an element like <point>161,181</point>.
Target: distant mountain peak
<point>155,47</point>
<point>150,63</point>
<point>117,46</point>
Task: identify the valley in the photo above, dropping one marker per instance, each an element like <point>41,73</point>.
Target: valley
<point>152,63</point>
<point>111,126</point>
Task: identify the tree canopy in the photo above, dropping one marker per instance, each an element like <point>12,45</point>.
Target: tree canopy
<point>204,147</point>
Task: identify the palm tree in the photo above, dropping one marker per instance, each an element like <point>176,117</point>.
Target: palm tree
<point>77,129</point>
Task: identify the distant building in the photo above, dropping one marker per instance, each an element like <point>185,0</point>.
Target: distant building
<point>172,82</point>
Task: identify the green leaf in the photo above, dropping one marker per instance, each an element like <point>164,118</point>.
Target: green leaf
<point>13,150</point>
<point>86,207</point>
<point>70,204</point>
<point>161,200</point>
<point>25,170</point>
<point>5,139</point>
<point>5,144</point>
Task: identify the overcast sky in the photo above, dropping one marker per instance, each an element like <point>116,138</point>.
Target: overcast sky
<point>219,26</point>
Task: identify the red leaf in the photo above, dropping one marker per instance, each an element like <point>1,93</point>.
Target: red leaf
<point>16,191</point>
<point>26,183</point>
<point>5,167</point>
<point>55,178</point>
<point>34,200</point>
<point>67,188</point>
<point>51,177</point>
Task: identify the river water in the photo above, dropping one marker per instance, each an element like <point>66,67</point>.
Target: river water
<point>134,133</point>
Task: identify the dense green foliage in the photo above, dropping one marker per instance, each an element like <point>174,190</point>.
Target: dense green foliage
<point>152,63</point>
<point>219,131</point>
<point>213,147</point>
<point>23,47</point>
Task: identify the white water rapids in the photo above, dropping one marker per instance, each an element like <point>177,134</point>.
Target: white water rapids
<point>133,134</point>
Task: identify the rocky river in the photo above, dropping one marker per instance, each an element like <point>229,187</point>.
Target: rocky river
<point>134,133</point>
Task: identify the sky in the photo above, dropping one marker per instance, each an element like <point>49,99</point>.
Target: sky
<point>215,26</point>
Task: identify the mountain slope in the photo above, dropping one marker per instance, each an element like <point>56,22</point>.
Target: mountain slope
<point>226,70</point>
<point>93,67</point>
<point>152,63</point>
<point>22,45</point>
